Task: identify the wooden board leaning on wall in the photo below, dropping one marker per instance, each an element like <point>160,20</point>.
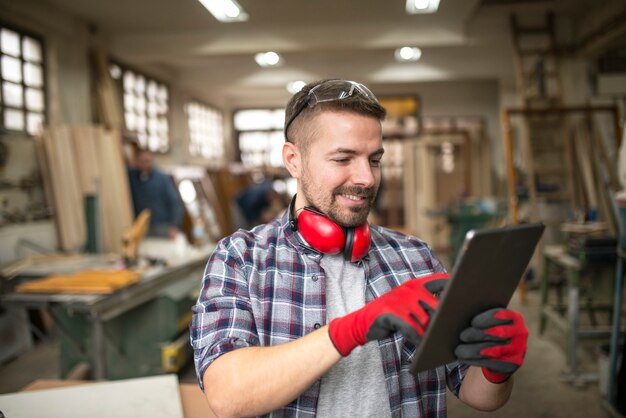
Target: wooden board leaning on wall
<point>80,161</point>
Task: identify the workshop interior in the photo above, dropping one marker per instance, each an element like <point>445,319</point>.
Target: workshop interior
<point>499,113</point>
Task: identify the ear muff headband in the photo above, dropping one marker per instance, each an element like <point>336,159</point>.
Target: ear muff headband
<point>328,237</point>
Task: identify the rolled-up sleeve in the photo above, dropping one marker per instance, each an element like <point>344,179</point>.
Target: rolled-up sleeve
<point>455,373</point>
<point>222,318</point>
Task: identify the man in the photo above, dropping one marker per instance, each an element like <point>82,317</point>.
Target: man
<point>257,203</point>
<point>319,313</point>
<point>152,189</point>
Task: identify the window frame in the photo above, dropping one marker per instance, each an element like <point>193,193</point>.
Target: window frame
<point>119,82</point>
<point>223,130</point>
<point>44,76</point>
<point>237,133</point>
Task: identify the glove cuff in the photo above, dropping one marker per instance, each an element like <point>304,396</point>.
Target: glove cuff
<point>494,377</point>
<point>342,334</point>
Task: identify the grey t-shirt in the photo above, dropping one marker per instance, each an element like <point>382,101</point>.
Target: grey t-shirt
<point>354,387</point>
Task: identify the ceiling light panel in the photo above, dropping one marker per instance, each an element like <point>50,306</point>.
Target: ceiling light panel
<point>408,53</point>
<point>295,86</point>
<point>421,6</point>
<point>225,10</point>
<point>268,59</point>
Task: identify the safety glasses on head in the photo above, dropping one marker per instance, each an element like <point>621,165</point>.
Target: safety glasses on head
<point>329,91</point>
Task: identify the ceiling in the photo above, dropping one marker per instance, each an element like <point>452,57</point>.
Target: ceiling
<point>465,39</point>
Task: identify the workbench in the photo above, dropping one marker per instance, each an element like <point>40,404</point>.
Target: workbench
<point>566,316</point>
<point>101,308</point>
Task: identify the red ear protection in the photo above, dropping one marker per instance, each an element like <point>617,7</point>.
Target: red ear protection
<point>329,238</point>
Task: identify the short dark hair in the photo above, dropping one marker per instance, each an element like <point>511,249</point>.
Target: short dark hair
<point>356,103</point>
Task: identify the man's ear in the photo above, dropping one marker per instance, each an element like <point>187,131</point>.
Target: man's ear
<point>292,159</point>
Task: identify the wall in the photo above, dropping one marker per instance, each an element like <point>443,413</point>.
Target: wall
<point>67,42</point>
<point>478,98</point>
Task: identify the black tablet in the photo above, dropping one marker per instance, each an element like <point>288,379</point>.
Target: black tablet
<point>486,274</point>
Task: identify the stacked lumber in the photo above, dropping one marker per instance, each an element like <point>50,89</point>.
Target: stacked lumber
<point>88,281</point>
<point>81,161</point>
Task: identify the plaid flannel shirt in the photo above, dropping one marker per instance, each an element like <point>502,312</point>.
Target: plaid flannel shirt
<point>266,287</point>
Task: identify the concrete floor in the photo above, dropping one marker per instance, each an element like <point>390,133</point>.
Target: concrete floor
<point>538,391</point>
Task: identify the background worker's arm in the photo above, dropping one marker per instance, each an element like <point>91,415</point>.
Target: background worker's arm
<point>255,380</point>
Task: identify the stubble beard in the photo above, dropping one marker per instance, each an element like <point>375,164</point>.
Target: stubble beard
<point>327,203</point>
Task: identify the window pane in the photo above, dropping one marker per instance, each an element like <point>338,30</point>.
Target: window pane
<point>153,126</point>
<point>140,104</point>
<point>141,123</point>
<point>152,89</point>
<point>129,101</point>
<point>152,108</point>
<point>143,140</point>
<point>10,42</point>
<point>11,69</point>
<point>32,49</point>
<point>162,94</point>
<point>14,119</point>
<point>259,119</point>
<point>12,94</point>
<point>163,126</point>
<point>140,84</point>
<point>33,75</point>
<point>129,81</point>
<point>131,121</point>
<point>34,99</point>
<point>115,71</point>
<point>154,143</point>
<point>33,122</point>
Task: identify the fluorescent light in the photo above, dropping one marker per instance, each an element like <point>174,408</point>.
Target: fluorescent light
<point>421,6</point>
<point>225,10</point>
<point>295,86</point>
<point>408,53</point>
<point>268,59</point>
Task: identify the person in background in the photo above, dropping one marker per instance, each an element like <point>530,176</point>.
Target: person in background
<point>256,204</point>
<point>153,189</point>
<point>319,313</point>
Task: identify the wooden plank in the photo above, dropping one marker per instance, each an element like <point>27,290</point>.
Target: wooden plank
<point>67,197</point>
<point>510,168</point>
<point>88,281</point>
<point>73,202</point>
<point>583,153</point>
<point>116,205</point>
<point>44,169</point>
<point>84,142</point>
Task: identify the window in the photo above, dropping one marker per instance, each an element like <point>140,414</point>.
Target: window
<point>260,134</point>
<point>145,103</point>
<point>206,131</point>
<point>22,74</point>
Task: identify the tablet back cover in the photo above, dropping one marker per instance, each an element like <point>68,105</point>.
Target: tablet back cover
<point>486,274</point>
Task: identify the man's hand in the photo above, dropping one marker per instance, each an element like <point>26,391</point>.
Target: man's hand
<point>172,232</point>
<point>496,341</point>
<point>405,309</point>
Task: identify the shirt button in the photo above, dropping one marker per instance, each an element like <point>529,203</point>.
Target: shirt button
<point>314,278</point>
<point>317,325</point>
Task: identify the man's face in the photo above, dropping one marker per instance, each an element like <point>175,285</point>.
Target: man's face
<point>340,171</point>
<point>144,162</point>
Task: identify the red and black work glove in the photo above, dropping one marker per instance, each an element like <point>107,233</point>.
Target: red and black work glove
<point>405,309</point>
<point>496,341</point>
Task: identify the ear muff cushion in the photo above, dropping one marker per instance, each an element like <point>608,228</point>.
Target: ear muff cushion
<point>320,232</point>
<point>362,240</point>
